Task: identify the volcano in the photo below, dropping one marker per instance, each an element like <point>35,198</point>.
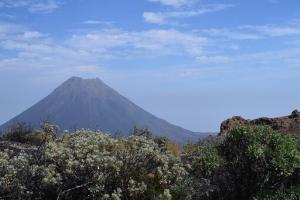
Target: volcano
<point>91,104</point>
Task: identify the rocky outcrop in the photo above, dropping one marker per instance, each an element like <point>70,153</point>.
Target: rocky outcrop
<point>287,125</point>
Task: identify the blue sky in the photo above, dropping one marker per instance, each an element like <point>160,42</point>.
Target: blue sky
<point>191,62</point>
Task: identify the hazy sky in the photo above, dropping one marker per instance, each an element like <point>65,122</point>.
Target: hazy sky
<point>191,62</point>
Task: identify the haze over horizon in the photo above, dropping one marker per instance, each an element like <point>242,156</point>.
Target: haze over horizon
<point>191,62</point>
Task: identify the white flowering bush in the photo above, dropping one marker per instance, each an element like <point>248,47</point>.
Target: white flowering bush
<point>89,165</point>
<point>15,173</point>
<point>249,163</point>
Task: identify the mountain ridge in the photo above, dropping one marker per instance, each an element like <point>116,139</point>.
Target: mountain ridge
<point>90,103</point>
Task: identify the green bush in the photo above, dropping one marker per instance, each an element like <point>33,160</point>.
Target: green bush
<point>259,159</point>
<point>206,160</point>
<point>292,193</point>
<point>247,163</point>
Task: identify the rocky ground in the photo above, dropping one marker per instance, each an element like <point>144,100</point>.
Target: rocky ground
<point>287,124</point>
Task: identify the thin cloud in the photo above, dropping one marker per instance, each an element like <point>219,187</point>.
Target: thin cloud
<point>273,31</point>
<point>232,34</point>
<point>163,17</point>
<point>213,59</point>
<point>175,3</point>
<point>155,41</point>
<point>29,35</point>
<point>251,32</point>
<point>34,49</point>
<point>154,18</point>
<point>97,22</point>
<point>8,16</point>
<point>33,6</point>
<point>8,30</point>
<point>44,7</point>
<point>90,48</point>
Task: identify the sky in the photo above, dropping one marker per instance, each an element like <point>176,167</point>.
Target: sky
<point>191,62</point>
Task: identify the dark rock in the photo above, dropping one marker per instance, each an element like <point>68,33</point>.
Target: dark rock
<point>295,114</point>
<point>233,122</point>
<point>286,125</point>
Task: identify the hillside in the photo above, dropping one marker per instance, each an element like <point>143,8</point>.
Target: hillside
<point>90,103</point>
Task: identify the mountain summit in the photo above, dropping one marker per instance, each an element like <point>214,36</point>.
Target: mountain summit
<point>90,103</point>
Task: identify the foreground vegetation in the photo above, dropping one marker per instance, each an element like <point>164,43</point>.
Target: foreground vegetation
<point>247,163</point>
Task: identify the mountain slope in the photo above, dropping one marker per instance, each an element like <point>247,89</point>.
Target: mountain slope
<point>90,103</point>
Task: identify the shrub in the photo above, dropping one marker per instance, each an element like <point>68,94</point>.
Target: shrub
<point>206,160</point>
<point>38,138</point>
<point>249,163</point>
<point>18,132</point>
<point>205,168</point>
<point>259,159</point>
<point>16,180</point>
<point>23,133</point>
<point>145,132</point>
<point>292,193</point>
<point>89,165</point>
<point>167,145</point>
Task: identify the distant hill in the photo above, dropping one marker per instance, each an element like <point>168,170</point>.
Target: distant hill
<point>90,103</point>
<point>286,125</point>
